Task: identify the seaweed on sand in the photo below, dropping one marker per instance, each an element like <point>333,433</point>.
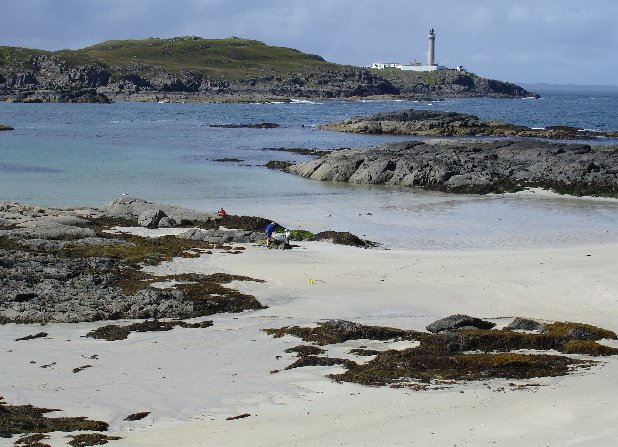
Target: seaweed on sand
<point>338,331</point>
<point>32,337</point>
<point>114,332</point>
<point>137,416</point>
<point>89,439</point>
<point>305,350</point>
<point>461,355</point>
<point>17,419</point>
<point>33,440</point>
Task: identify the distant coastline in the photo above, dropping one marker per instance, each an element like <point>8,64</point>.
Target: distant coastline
<point>216,70</point>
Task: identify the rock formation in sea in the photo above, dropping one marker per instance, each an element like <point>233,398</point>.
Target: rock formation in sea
<point>474,166</point>
<point>440,124</point>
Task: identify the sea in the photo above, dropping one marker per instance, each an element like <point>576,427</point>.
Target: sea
<point>90,154</point>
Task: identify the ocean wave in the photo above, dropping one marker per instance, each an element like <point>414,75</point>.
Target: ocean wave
<point>302,101</point>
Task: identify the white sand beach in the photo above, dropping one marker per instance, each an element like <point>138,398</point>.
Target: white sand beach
<point>191,380</point>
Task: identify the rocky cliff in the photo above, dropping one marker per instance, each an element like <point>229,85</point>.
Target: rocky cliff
<point>474,166</point>
<point>450,83</point>
<point>191,68</point>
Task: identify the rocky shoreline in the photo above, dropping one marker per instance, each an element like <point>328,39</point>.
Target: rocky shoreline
<point>66,265</point>
<point>474,166</point>
<point>76,264</point>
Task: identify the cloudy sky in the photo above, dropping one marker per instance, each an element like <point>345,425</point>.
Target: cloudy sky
<point>553,41</point>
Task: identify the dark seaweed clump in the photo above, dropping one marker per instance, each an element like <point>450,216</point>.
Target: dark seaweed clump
<point>17,419</point>
<point>240,416</point>
<point>33,440</point>
<point>33,336</point>
<point>339,331</point>
<point>461,355</point>
<point>343,238</point>
<point>88,439</point>
<point>304,350</point>
<point>137,416</point>
<point>114,332</point>
<point>309,355</point>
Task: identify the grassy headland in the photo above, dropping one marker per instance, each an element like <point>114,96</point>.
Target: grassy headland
<point>214,69</point>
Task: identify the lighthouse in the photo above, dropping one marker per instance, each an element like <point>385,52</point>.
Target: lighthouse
<point>432,48</point>
<point>415,66</point>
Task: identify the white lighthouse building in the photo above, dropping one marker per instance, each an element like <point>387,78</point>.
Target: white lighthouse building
<point>416,66</point>
<point>431,51</point>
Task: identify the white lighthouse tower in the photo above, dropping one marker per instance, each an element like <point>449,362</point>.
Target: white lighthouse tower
<point>416,66</point>
<point>431,51</point>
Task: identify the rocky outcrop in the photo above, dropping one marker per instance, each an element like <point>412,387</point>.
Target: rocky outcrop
<point>5,127</point>
<point>60,95</point>
<point>451,84</point>
<point>61,265</point>
<point>474,166</point>
<point>41,287</point>
<point>132,209</point>
<point>51,79</point>
<point>440,124</point>
<point>223,236</point>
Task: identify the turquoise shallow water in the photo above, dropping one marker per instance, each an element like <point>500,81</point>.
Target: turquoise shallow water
<point>78,154</point>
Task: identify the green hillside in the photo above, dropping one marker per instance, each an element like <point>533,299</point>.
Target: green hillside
<point>231,58</point>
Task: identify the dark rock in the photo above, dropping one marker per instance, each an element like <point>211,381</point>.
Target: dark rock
<point>247,126</point>
<point>167,222</point>
<point>150,218</point>
<point>342,238</point>
<point>457,322</point>
<point>524,324</point>
<point>5,127</point>
<point>228,160</point>
<point>581,333</point>
<point>277,164</point>
<point>341,326</point>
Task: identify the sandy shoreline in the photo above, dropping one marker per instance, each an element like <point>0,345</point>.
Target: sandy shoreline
<point>192,379</point>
